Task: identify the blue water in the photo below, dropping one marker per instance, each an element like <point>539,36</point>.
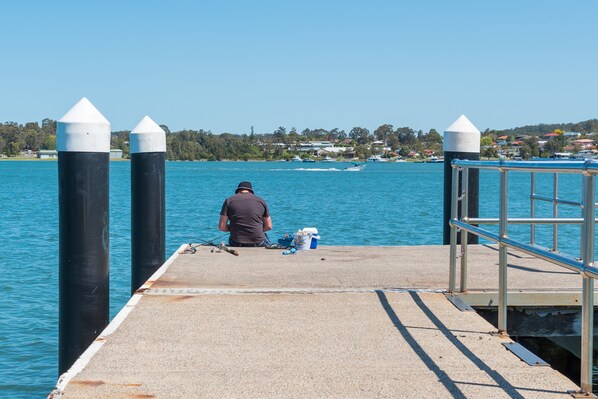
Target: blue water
<point>385,204</point>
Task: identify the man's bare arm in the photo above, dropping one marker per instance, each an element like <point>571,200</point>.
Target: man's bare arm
<point>223,223</point>
<point>268,224</point>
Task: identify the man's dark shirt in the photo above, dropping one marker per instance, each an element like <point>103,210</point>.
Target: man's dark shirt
<point>246,213</point>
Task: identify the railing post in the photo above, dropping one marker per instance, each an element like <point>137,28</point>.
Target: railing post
<point>502,254</point>
<point>581,233</point>
<point>465,217</point>
<point>587,332</point>
<point>555,213</point>
<point>532,239</point>
<point>587,307</point>
<point>453,232</point>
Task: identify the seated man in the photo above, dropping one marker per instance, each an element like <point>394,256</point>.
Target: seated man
<point>247,218</point>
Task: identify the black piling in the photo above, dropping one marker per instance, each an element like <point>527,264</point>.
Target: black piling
<point>461,141</point>
<point>148,236</point>
<point>148,201</point>
<point>83,143</point>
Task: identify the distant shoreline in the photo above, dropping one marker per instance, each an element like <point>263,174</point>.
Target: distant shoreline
<point>27,159</point>
<point>33,159</point>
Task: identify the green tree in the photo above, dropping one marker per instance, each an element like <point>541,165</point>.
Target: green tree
<point>336,134</point>
<point>362,151</point>
<point>360,135</point>
<point>383,132</point>
<point>406,136</point>
<point>280,134</point>
<point>49,143</point>
<point>48,127</point>
<point>293,135</point>
<point>534,147</point>
<point>551,147</point>
<point>33,139</point>
<point>525,151</point>
<point>485,141</point>
<point>433,137</point>
<point>489,152</point>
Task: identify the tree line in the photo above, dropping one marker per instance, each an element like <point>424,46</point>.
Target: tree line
<point>15,138</point>
<point>584,127</point>
<point>280,144</point>
<point>188,145</point>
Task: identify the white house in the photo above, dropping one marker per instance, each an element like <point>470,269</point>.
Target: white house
<point>116,154</point>
<point>46,154</point>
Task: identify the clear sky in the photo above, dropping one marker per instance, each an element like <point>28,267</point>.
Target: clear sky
<point>225,66</point>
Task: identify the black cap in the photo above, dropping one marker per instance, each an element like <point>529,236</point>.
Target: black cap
<point>244,185</point>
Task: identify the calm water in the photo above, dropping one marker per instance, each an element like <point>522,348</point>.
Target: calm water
<point>386,204</point>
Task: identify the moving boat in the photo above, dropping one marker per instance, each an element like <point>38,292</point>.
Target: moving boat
<point>356,167</point>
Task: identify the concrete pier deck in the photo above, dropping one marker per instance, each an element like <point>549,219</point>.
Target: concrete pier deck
<point>335,322</point>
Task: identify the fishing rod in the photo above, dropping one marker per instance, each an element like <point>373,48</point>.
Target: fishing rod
<point>210,243</point>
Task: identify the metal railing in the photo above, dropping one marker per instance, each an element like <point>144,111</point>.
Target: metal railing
<point>584,264</point>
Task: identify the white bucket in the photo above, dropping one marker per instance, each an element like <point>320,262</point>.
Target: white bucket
<point>311,230</point>
<point>302,241</point>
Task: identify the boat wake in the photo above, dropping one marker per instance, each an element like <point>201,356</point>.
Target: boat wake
<point>307,170</point>
<point>319,169</point>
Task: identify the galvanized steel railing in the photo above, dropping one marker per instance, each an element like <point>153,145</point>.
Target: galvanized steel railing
<point>584,264</point>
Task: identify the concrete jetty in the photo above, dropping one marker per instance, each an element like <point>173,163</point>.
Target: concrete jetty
<point>335,322</point>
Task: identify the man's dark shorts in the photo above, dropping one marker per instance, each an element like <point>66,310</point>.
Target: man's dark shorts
<point>265,243</point>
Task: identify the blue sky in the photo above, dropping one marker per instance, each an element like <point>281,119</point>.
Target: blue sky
<point>225,66</point>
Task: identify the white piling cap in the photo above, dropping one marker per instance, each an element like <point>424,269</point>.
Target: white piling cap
<point>462,136</point>
<point>83,129</point>
<point>147,136</point>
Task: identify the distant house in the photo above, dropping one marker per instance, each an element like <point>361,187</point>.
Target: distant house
<point>333,150</point>
<point>47,154</point>
<point>571,134</point>
<point>312,147</point>
<point>116,154</point>
<point>322,144</point>
<point>551,135</point>
<point>584,143</point>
